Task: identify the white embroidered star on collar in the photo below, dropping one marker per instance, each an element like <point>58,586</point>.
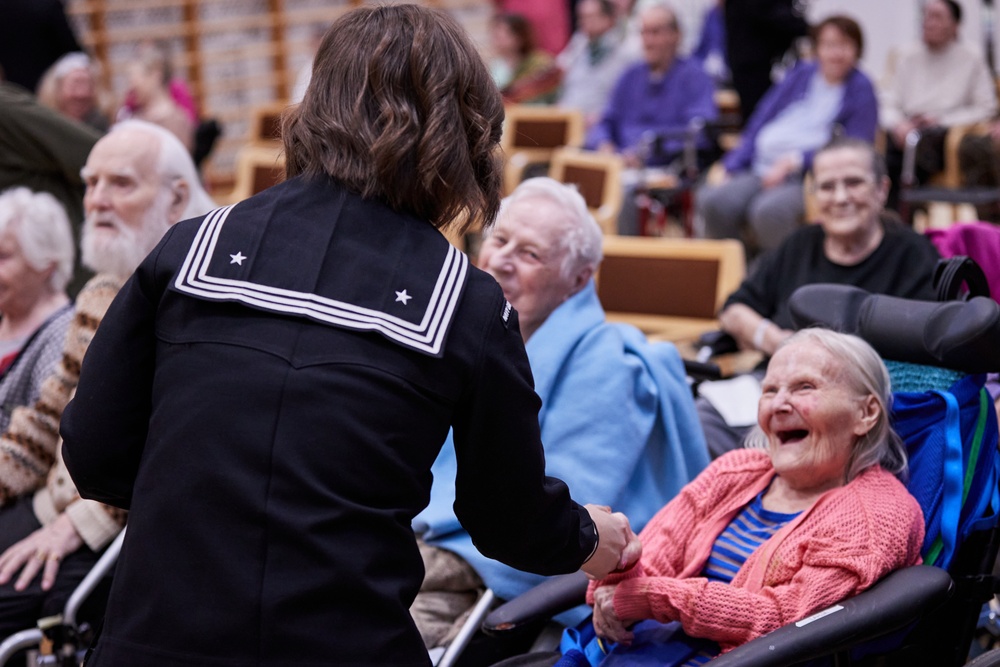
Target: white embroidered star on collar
<point>403,297</point>
<point>238,258</point>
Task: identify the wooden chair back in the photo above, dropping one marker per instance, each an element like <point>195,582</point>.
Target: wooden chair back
<point>265,124</point>
<point>598,177</point>
<point>532,133</point>
<point>670,288</point>
<point>257,168</point>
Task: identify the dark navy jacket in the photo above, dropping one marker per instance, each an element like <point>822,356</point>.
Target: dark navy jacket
<point>266,396</point>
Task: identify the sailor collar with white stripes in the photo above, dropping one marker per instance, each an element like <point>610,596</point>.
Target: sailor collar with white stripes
<point>216,269</point>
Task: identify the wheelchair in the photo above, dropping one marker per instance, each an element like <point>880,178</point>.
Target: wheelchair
<point>917,616</point>
<point>62,641</point>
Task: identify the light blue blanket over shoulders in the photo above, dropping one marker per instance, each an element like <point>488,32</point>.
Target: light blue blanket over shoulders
<point>617,421</point>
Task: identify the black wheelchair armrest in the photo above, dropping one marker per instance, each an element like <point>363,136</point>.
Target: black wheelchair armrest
<point>890,605</point>
<point>700,371</point>
<point>547,599</point>
<point>715,342</point>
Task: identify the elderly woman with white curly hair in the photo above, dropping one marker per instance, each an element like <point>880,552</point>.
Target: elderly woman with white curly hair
<point>36,262</point>
<point>72,87</point>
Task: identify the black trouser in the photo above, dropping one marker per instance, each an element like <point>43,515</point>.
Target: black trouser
<point>979,162</point>
<point>929,161</point>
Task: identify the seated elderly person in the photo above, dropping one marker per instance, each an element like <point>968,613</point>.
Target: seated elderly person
<point>760,197</point>
<point>617,419</point>
<point>766,536</point>
<point>140,181</point>
<point>932,85</point>
<point>852,244</point>
<point>151,94</point>
<point>661,93</point>
<point>659,96</point>
<point>594,59</point>
<point>72,87</point>
<point>524,73</point>
<point>36,262</point>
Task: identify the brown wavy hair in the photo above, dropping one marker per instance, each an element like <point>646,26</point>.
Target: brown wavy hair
<point>847,27</point>
<point>402,108</point>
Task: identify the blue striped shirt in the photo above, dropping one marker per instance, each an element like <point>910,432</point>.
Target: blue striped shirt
<point>753,526</point>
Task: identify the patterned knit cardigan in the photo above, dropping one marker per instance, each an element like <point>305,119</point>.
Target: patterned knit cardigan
<point>30,459</point>
<point>850,538</point>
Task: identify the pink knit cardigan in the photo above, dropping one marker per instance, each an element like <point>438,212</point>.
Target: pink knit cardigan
<point>850,538</point>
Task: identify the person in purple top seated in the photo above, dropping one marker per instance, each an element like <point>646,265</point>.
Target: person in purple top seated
<point>760,197</point>
<point>659,96</point>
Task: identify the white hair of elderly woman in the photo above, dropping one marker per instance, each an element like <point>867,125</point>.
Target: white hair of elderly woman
<point>42,229</point>
<point>582,238</point>
<point>865,373</point>
<point>174,161</point>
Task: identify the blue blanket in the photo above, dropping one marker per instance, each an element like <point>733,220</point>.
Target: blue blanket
<point>617,422</point>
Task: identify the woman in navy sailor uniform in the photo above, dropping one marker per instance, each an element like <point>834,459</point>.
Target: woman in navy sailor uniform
<point>267,393</point>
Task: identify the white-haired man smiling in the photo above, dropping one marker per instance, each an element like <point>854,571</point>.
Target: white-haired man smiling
<point>617,420</point>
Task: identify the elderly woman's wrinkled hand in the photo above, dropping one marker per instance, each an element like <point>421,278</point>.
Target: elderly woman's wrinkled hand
<point>43,551</point>
<point>606,622</point>
<point>618,547</point>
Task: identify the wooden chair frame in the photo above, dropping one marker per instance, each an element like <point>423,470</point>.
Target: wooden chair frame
<point>265,124</point>
<point>655,280</point>
<point>940,213</point>
<point>525,140</point>
<point>565,161</point>
<point>249,161</point>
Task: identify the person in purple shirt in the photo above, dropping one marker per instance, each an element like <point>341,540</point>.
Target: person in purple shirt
<point>659,96</point>
<point>760,197</point>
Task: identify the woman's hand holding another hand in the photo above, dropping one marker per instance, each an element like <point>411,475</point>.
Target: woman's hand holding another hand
<point>618,548</point>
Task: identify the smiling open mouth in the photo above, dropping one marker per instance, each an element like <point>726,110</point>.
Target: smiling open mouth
<point>792,435</point>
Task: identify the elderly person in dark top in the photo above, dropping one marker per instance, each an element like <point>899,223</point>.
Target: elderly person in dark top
<point>855,243</point>
<point>761,193</point>
<point>813,513</point>
<point>758,35</point>
<point>36,262</point>
<point>267,393</point>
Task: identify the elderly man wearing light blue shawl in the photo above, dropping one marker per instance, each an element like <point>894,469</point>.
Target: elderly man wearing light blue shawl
<point>617,420</point>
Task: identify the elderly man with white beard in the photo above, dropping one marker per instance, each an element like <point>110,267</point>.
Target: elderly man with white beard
<point>139,181</point>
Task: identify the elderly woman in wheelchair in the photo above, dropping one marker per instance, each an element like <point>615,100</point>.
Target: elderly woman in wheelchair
<point>770,534</point>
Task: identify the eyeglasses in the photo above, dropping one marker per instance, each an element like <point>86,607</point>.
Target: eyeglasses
<point>852,185</point>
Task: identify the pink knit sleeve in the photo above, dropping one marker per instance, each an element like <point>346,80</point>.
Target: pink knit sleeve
<point>667,535</point>
<point>730,615</point>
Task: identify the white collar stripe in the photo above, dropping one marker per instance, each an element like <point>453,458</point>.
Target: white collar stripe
<point>427,335</point>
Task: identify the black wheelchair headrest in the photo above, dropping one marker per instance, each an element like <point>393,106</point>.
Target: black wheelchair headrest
<point>961,335</point>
